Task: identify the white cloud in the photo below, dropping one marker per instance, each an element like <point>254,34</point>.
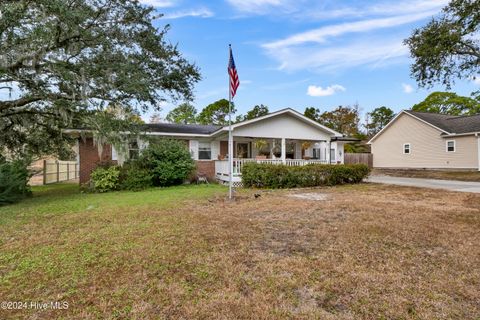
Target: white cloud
<point>363,42</point>
<point>200,13</point>
<point>382,9</point>
<point>373,52</point>
<point>320,35</point>
<point>259,6</point>
<point>407,88</point>
<point>158,3</point>
<point>315,91</point>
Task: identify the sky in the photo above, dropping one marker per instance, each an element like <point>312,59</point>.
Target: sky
<point>300,53</point>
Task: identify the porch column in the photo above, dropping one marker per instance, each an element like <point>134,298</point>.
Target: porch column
<point>284,151</point>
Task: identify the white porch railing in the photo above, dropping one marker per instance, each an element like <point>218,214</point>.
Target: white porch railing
<point>221,166</point>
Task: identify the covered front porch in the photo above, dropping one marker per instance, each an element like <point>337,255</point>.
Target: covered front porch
<point>290,152</point>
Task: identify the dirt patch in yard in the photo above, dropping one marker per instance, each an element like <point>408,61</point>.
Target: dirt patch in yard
<point>367,252</point>
<point>317,196</point>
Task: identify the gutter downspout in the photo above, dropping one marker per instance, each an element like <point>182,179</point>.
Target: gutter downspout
<point>330,151</point>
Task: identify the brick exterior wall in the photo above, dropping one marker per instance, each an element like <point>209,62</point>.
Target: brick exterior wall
<point>89,159</point>
<point>207,168</point>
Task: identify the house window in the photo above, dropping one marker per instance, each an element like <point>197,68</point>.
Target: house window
<point>451,146</point>
<point>204,151</point>
<point>316,153</point>
<point>332,155</point>
<point>133,149</point>
<point>406,148</point>
<point>114,154</point>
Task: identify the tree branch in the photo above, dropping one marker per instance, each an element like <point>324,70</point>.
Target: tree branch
<point>4,105</point>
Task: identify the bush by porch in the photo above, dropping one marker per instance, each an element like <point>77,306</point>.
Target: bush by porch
<point>262,175</point>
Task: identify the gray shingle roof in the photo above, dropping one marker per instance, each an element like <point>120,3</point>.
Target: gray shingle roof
<point>448,123</point>
<point>182,128</point>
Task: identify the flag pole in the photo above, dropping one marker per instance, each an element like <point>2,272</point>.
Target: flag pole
<point>230,139</point>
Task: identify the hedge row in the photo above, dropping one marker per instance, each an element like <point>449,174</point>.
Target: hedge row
<point>262,175</point>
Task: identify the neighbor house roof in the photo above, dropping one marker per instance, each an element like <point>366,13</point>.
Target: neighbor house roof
<point>447,124</point>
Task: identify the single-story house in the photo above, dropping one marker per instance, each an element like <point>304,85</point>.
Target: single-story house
<point>285,136</point>
<point>421,140</point>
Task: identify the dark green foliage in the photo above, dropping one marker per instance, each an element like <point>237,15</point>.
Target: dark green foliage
<point>378,119</point>
<point>134,178</point>
<point>14,177</point>
<point>184,114</point>
<point>261,175</point>
<point>449,103</point>
<point>73,59</point>
<point>257,111</point>
<point>105,179</point>
<point>216,113</point>
<point>169,161</point>
<point>312,113</point>
<point>448,47</point>
<point>165,162</point>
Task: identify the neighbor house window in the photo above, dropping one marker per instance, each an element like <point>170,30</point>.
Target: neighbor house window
<point>204,151</point>
<point>406,148</point>
<point>451,146</point>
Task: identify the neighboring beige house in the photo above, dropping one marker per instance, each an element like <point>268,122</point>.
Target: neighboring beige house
<point>423,140</point>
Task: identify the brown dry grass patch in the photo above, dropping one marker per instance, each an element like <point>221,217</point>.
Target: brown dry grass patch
<point>367,252</point>
<point>431,174</point>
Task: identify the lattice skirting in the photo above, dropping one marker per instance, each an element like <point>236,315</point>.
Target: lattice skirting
<point>235,184</point>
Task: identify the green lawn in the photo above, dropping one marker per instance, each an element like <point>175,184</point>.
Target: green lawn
<point>367,251</point>
<point>60,199</point>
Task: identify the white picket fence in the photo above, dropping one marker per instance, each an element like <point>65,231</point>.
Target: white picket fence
<point>221,166</point>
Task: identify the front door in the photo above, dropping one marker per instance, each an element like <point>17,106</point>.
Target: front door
<point>242,150</point>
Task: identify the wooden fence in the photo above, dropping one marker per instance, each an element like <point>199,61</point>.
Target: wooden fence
<point>56,171</point>
<point>353,158</point>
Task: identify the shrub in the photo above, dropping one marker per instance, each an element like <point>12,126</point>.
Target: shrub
<point>281,176</point>
<point>14,177</point>
<point>169,161</point>
<point>134,178</point>
<point>105,179</point>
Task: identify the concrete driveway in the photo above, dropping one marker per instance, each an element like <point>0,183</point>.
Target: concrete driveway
<point>452,185</point>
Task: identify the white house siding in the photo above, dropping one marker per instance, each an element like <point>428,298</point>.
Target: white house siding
<point>215,145</point>
<point>428,148</point>
<point>193,146</point>
<point>282,126</point>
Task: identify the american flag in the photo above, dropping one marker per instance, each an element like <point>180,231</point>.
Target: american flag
<point>232,71</point>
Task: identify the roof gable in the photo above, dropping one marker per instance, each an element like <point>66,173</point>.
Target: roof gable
<point>289,111</point>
